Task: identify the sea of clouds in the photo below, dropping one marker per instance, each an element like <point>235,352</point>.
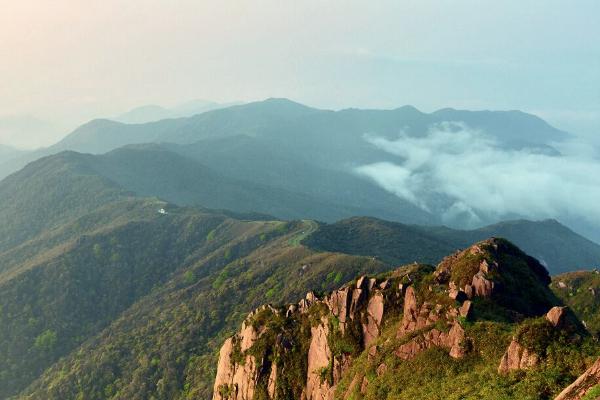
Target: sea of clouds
<point>480,180</point>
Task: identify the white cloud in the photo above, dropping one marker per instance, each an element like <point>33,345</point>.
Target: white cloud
<point>464,174</point>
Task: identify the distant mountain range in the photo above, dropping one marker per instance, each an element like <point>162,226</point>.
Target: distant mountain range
<point>26,130</point>
<point>8,152</point>
<point>152,112</point>
<point>308,152</point>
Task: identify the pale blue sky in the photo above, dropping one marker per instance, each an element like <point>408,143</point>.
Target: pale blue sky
<point>70,60</point>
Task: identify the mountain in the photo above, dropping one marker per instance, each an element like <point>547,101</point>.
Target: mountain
<point>8,153</point>
<point>49,192</point>
<point>556,246</point>
<point>156,171</point>
<point>482,324</point>
<point>143,114</point>
<point>262,162</point>
<point>27,131</point>
<point>311,152</point>
<point>99,136</point>
<point>517,128</point>
<point>308,127</point>
<point>152,112</point>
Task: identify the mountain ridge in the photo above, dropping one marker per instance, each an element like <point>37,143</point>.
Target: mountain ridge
<point>369,337</point>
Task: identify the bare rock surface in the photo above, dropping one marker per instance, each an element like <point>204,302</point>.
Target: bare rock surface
<point>517,357</point>
<point>582,385</point>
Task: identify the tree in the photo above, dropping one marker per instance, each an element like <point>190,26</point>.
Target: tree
<point>46,340</point>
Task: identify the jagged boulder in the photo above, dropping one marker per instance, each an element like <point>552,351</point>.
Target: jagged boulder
<point>374,315</point>
<point>517,357</point>
<point>482,286</point>
<point>557,316</point>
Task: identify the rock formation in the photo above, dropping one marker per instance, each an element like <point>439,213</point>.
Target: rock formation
<point>431,319</point>
<point>517,356</point>
<point>355,312</point>
<point>236,379</point>
<point>557,316</point>
<point>304,350</point>
<point>583,385</point>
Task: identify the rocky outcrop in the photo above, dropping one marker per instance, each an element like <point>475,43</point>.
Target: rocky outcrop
<point>517,357</point>
<point>319,359</point>
<point>497,270</point>
<point>474,280</point>
<point>236,379</point>
<point>434,325</point>
<point>583,385</point>
<point>557,316</point>
<point>359,311</point>
<point>355,312</point>
<point>304,350</point>
<point>374,315</point>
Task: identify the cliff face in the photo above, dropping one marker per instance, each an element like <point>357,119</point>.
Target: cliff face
<point>303,351</point>
<point>324,332</point>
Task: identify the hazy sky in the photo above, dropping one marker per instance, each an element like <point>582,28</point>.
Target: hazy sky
<point>66,61</point>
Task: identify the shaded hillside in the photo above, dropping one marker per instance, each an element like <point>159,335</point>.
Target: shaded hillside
<point>48,193</point>
<point>556,246</point>
<point>483,324</point>
<point>262,161</point>
<point>392,242</point>
<point>154,171</point>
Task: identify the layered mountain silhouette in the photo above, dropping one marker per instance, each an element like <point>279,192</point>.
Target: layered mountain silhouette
<point>153,112</point>
<point>8,153</point>
<point>71,184</point>
<point>307,151</point>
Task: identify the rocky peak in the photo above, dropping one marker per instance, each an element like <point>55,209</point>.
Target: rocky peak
<point>498,270</point>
